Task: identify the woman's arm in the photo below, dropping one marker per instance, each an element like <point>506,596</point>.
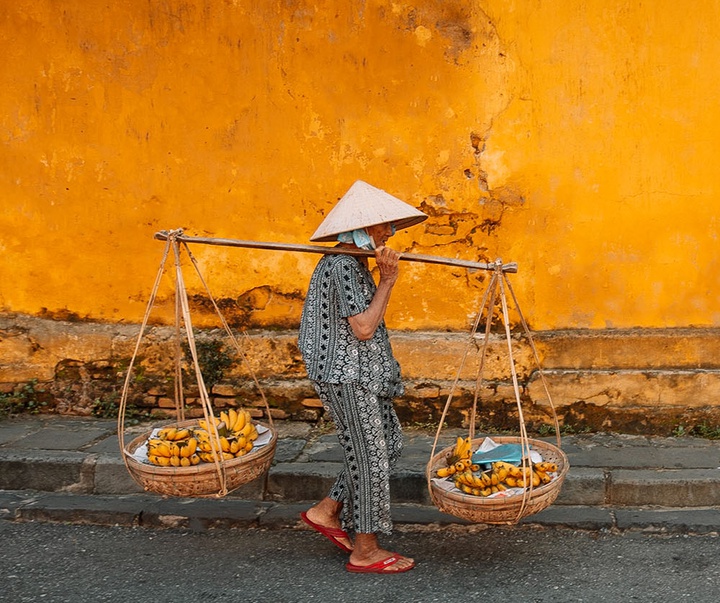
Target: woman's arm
<point>365,323</point>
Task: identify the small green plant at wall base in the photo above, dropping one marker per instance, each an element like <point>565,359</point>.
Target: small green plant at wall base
<point>545,430</point>
<point>212,358</point>
<point>697,431</point>
<point>108,407</point>
<point>24,399</point>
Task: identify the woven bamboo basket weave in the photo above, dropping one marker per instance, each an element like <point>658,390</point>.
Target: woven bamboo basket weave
<point>500,511</point>
<point>202,479</point>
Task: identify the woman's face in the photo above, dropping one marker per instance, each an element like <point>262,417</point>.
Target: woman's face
<point>380,233</point>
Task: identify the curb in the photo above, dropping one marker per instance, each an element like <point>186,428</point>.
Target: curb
<point>154,512</point>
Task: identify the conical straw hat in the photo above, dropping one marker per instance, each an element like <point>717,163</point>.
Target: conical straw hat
<point>364,205</point>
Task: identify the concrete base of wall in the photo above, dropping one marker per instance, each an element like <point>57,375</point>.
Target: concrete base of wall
<point>632,381</point>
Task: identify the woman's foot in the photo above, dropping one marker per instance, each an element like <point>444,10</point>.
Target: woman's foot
<point>369,557</point>
<point>324,517</point>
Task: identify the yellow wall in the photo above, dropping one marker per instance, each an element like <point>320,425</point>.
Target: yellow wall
<point>575,138</point>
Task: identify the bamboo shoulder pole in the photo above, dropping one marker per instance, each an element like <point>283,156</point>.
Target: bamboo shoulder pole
<point>164,235</point>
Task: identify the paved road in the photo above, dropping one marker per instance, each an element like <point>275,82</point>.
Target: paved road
<point>74,563</point>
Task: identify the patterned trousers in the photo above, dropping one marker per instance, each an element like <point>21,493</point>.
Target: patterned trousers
<point>371,439</point>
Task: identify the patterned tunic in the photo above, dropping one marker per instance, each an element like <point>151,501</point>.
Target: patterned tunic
<point>342,286</point>
<point>356,381</point>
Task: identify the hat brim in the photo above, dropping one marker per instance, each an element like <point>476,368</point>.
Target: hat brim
<point>363,206</point>
<point>398,224</point>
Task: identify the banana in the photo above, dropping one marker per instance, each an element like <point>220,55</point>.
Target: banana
<point>167,433</point>
<point>184,461</point>
<point>232,416</point>
<point>188,447</point>
<point>192,445</point>
<point>502,473</point>
<point>253,435</point>
<point>470,490</point>
<point>462,449</point>
<point>163,461</point>
<point>242,419</point>
<point>546,467</point>
<point>163,449</point>
<point>446,471</point>
<point>175,461</point>
<point>249,446</point>
<point>182,434</point>
<point>512,470</point>
<point>224,444</point>
<point>235,446</point>
<point>206,457</point>
<point>511,481</point>
<point>544,477</point>
<point>227,456</point>
<point>194,459</point>
<point>224,418</point>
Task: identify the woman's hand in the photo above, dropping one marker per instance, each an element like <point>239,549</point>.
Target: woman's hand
<point>387,261</point>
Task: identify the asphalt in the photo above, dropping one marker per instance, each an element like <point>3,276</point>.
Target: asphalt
<point>69,469</point>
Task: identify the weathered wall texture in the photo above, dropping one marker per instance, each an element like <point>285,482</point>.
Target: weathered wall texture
<point>577,139</point>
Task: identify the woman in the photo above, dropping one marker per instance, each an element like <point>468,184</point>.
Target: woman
<point>347,354</point>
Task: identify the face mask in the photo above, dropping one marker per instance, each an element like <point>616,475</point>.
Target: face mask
<point>361,238</point>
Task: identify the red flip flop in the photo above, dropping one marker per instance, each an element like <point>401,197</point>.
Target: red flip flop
<point>380,567</point>
<point>331,534</point>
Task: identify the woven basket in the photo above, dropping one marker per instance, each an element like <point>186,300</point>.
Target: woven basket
<point>499,511</point>
<point>202,479</point>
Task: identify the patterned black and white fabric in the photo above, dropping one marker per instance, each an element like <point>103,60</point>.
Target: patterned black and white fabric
<point>356,381</point>
<point>342,286</point>
<point>371,440</point>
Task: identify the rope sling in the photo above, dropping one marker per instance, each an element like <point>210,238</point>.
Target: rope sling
<point>150,477</point>
<point>500,509</point>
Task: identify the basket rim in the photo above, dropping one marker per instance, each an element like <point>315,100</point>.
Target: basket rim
<point>201,468</point>
<point>529,495</point>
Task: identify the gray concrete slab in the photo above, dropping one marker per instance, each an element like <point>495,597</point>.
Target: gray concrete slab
<point>583,486</point>
<point>644,458</point>
<point>42,470</point>
<point>664,488</point>
<point>60,437</point>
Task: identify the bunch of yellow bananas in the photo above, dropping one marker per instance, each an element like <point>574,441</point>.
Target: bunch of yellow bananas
<point>236,431</point>
<point>459,460</point>
<point>173,453</point>
<point>503,476</point>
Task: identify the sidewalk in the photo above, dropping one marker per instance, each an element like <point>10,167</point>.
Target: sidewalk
<point>70,469</point>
